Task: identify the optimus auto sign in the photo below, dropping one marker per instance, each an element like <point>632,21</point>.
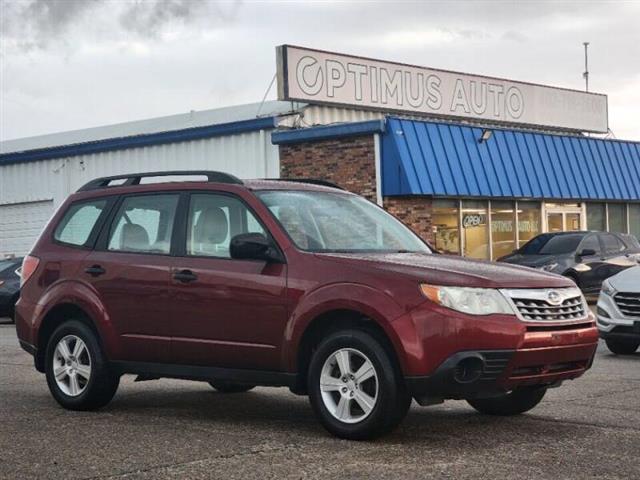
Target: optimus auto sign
<point>332,78</point>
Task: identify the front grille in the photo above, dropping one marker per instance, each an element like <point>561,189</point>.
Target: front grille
<point>570,309</point>
<point>548,305</point>
<point>628,303</point>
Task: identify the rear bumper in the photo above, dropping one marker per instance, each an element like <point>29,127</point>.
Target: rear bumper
<point>486,373</point>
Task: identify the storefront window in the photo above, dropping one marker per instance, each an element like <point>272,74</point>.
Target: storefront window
<point>503,232</point>
<point>529,217</point>
<point>634,219</point>
<point>617,217</point>
<point>445,220</point>
<point>596,217</point>
<point>474,229</point>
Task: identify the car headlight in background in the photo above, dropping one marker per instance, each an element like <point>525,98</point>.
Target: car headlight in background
<point>607,289</point>
<point>474,301</point>
<point>549,268</point>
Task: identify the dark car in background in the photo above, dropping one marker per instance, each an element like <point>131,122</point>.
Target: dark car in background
<point>9,285</point>
<point>588,258</point>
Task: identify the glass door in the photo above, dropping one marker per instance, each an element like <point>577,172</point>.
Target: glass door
<point>564,217</point>
<point>555,222</point>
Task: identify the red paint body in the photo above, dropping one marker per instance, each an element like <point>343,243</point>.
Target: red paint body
<point>252,315</point>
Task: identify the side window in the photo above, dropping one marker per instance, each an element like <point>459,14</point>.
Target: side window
<point>213,221</point>
<point>78,222</point>
<point>144,224</point>
<point>591,242</point>
<point>612,244</point>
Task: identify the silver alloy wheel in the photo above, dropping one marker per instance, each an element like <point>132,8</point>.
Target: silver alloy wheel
<point>349,385</point>
<point>71,365</point>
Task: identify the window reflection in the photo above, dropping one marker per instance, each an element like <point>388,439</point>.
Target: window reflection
<point>445,219</point>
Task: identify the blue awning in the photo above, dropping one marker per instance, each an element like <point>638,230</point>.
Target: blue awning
<point>440,159</point>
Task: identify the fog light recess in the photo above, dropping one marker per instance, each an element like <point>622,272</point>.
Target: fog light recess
<point>468,370</point>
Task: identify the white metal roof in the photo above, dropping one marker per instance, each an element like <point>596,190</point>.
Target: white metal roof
<point>154,125</point>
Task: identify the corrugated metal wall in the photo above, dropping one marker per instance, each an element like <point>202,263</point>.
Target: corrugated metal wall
<point>246,155</point>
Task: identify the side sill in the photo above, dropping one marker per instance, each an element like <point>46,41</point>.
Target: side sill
<point>197,372</point>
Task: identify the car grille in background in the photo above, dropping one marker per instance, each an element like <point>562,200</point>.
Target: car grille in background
<point>628,303</point>
<point>541,310</point>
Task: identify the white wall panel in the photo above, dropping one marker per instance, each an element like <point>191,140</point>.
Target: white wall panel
<point>246,155</point>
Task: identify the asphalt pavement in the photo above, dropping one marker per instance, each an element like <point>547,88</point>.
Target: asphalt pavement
<point>588,428</point>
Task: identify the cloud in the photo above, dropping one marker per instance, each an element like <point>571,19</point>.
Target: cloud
<point>74,64</point>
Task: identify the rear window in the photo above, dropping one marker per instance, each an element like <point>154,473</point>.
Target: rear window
<point>79,221</point>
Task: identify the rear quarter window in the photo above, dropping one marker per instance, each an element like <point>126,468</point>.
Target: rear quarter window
<point>78,222</point>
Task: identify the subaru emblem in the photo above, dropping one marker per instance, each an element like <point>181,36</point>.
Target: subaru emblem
<point>554,298</point>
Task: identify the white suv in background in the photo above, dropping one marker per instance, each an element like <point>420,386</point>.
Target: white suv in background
<point>618,312</point>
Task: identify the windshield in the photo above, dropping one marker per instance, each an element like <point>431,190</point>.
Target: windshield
<point>552,244</point>
<point>335,222</point>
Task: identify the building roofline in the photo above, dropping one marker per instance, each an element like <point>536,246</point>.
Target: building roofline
<point>136,141</point>
<point>284,137</point>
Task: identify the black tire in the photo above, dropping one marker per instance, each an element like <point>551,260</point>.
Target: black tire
<point>102,384</point>
<point>513,403</point>
<point>229,387</point>
<point>392,401</point>
<point>620,347</point>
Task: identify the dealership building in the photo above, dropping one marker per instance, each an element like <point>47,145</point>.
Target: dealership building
<point>475,165</point>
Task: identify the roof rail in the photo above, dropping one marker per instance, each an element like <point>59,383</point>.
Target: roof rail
<point>134,178</point>
<point>311,181</point>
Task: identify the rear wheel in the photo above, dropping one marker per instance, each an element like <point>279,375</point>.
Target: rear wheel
<point>230,387</point>
<point>515,402</point>
<point>620,347</point>
<point>354,388</point>
<point>78,373</point>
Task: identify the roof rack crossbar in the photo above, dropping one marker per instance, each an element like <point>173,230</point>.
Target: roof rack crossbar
<point>135,178</point>
<point>311,181</point>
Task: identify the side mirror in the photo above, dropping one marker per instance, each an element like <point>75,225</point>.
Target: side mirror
<point>587,252</point>
<point>253,246</point>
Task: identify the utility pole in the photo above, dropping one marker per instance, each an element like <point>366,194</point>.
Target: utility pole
<point>585,75</point>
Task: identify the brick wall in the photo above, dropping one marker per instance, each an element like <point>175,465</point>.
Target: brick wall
<point>414,212</point>
<point>348,162</point>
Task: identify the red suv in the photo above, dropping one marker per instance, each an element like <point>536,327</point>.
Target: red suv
<point>287,283</point>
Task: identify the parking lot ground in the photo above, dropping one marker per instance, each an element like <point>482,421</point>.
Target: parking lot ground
<point>589,428</point>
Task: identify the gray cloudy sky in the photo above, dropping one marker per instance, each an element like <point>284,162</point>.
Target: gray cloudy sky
<point>71,64</point>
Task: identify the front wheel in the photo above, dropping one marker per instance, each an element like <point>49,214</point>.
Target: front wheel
<point>354,388</point>
<point>515,402</point>
<point>78,373</point>
<point>621,347</point>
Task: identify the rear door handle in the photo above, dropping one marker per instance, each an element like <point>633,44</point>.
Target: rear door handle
<point>95,270</point>
<point>185,276</point>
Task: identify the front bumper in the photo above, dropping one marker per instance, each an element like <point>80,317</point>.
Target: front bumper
<point>465,357</point>
<point>612,324</point>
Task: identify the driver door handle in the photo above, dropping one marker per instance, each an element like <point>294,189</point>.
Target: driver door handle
<point>95,270</point>
<point>185,276</point>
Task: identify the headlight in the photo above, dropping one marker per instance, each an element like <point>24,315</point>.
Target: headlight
<point>474,301</point>
<point>549,268</point>
<point>607,289</point>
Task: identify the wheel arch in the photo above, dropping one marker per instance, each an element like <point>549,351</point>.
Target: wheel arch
<point>72,300</point>
<point>55,317</point>
<point>334,320</point>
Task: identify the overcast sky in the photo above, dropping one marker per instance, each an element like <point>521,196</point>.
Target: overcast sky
<point>71,64</point>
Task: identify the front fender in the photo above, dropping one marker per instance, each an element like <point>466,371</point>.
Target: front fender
<point>371,303</point>
<point>85,297</point>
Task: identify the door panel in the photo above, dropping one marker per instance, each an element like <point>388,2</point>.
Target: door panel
<point>232,315</point>
<point>135,292</point>
<point>130,271</point>
<point>225,312</point>
<point>554,222</point>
